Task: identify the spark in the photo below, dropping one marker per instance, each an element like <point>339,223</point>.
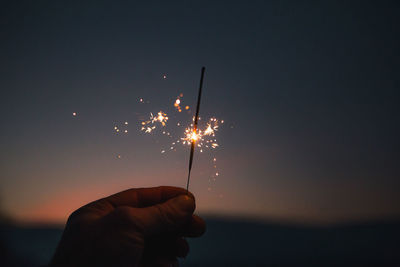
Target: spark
<point>148,129</point>
<point>177,103</point>
<point>202,137</point>
<point>126,123</point>
<point>161,117</point>
<point>209,130</point>
<point>164,76</point>
<point>191,135</point>
<point>149,125</point>
<point>74,114</point>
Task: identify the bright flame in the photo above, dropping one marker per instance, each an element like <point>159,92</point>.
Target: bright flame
<point>202,138</point>
<point>191,136</point>
<point>194,136</point>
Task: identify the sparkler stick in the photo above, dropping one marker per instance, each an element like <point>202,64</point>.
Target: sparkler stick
<point>195,128</point>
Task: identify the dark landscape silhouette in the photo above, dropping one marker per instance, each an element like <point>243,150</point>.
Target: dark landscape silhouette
<point>229,242</point>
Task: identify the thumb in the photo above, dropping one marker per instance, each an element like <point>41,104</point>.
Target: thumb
<point>166,217</point>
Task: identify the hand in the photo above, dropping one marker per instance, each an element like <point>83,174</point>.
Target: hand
<point>136,227</point>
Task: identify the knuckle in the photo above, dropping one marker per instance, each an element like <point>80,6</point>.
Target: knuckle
<point>128,217</point>
<point>164,215</point>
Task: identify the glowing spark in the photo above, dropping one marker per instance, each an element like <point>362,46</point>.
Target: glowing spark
<point>74,114</point>
<point>164,76</point>
<point>201,137</point>
<point>187,107</point>
<point>161,117</point>
<point>126,123</point>
<point>190,136</point>
<point>194,136</point>
<point>209,130</point>
<point>126,131</point>
<point>177,104</point>
<point>148,129</point>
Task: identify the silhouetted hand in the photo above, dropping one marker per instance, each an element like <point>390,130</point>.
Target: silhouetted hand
<point>137,227</point>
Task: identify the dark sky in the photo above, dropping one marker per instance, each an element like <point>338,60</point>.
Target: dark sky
<point>308,91</point>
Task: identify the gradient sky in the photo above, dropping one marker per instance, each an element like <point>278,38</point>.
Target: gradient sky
<point>309,94</point>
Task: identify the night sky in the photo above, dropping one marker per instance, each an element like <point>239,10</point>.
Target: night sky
<point>308,92</point>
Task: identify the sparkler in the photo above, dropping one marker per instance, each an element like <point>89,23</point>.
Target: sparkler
<point>194,136</point>
<point>197,134</point>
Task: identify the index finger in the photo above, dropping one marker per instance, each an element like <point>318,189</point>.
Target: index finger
<point>144,197</point>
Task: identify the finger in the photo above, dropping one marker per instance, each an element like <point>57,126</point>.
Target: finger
<point>167,217</point>
<point>144,197</point>
<point>182,247</point>
<point>195,228</point>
